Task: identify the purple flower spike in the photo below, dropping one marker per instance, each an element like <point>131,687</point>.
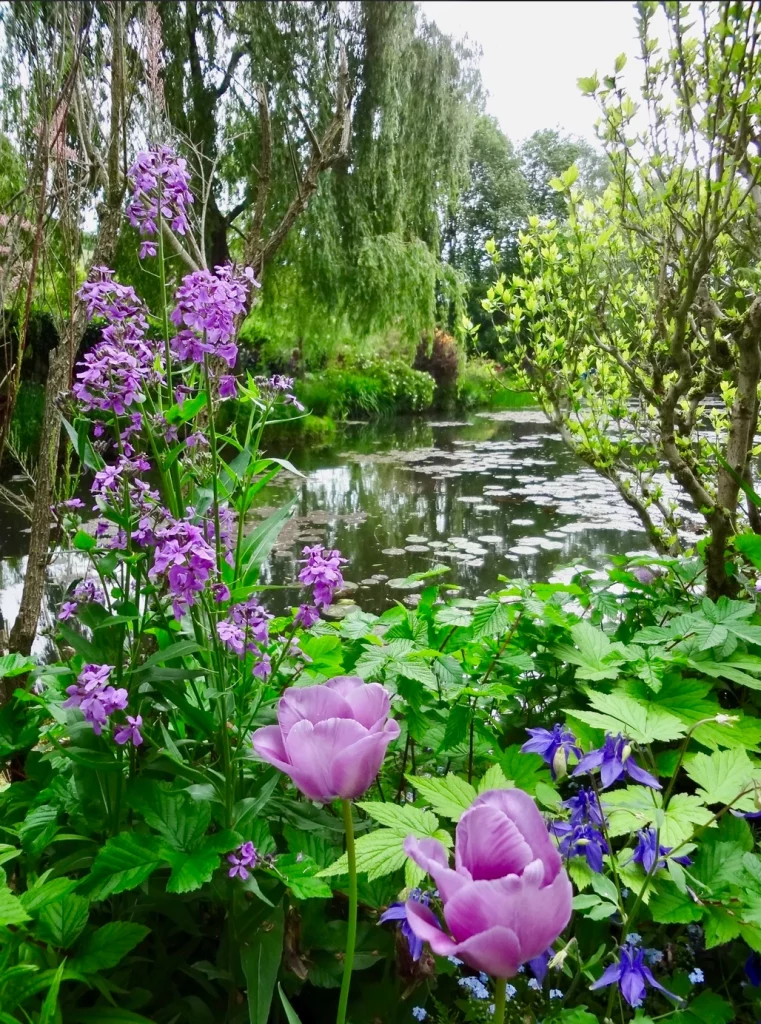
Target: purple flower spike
<point>307,615</point>
<point>158,175</point>
<point>206,309</point>
<point>398,912</point>
<point>323,572</point>
<point>632,976</point>
<point>615,759</point>
<point>645,852</point>
<point>331,739</point>
<point>554,746</point>
<point>508,897</point>
<point>94,697</point>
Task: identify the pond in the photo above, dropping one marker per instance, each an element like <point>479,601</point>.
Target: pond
<point>492,494</point>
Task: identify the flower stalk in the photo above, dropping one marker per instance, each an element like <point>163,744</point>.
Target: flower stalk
<point>351,930</point>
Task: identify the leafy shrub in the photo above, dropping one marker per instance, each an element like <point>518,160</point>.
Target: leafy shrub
<point>368,388</point>
<point>482,384</point>
<point>441,358</point>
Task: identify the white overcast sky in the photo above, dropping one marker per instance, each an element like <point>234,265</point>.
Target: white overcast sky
<point>534,51</point>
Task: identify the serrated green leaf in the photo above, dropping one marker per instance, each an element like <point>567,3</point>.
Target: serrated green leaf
<point>108,946</point>
<point>11,909</point>
<point>619,713</point>
<point>494,779</point>
<point>192,870</point>
<point>61,923</point>
<point>449,797</point>
<point>721,775</point>
<point>670,906</point>
<point>490,618</point>
<point>124,863</point>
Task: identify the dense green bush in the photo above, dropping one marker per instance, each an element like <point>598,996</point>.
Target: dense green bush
<point>365,389</point>
<point>483,384</point>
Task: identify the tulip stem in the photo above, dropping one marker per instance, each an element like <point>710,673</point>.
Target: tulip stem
<point>351,930</point>
<point>500,992</point>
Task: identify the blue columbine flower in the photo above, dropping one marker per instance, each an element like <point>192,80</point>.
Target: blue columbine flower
<point>645,852</point>
<point>581,841</point>
<point>554,746</point>
<point>632,976</point>
<point>753,969</point>
<point>615,759</point>
<point>539,964</point>
<point>585,808</point>
<point>398,912</point>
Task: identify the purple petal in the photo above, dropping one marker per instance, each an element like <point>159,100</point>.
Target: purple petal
<point>521,809</point>
<point>356,767</point>
<point>345,684</point>
<point>496,951</point>
<point>611,771</point>
<point>430,855</point>
<point>609,977</point>
<point>370,704</point>
<point>589,762</point>
<point>632,986</point>
<point>268,744</point>
<point>424,924</point>
<point>650,979</point>
<point>634,771</point>
<point>313,750</point>
<point>396,912</point>
<point>489,844</point>
<point>311,704</point>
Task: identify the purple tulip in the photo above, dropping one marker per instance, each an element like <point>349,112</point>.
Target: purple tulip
<point>331,739</point>
<point>507,898</point>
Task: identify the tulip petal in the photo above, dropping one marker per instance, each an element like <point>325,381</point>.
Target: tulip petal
<point>425,926</point>
<point>345,684</point>
<point>312,704</point>
<point>496,951</point>
<point>430,855</point>
<point>369,704</point>
<point>477,907</point>
<point>356,766</point>
<point>312,751</point>
<point>520,807</point>
<point>268,744</point>
<point>489,844</point>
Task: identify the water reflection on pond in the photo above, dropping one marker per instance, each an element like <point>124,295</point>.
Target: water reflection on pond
<point>496,495</point>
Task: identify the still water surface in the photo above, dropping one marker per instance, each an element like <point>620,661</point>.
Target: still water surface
<point>494,494</point>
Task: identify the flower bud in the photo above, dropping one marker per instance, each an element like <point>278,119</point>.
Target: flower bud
<point>626,753</point>
<point>560,763</point>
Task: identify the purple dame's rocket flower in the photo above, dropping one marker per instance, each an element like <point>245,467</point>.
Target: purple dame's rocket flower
<point>206,309</point>
<point>323,572</point>
<point>554,746</point>
<point>615,759</point>
<point>158,175</point>
<point>507,898</point>
<point>130,732</point>
<point>331,739</point>
<point>185,559</point>
<point>398,912</point>
<point>632,975</point>
<point>94,697</point>
<point>242,859</point>
<point>645,852</point>
<point>307,615</point>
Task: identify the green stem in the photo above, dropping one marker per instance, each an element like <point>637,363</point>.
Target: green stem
<point>351,931</point>
<point>500,994</point>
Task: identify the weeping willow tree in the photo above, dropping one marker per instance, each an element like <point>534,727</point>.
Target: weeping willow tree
<point>252,88</point>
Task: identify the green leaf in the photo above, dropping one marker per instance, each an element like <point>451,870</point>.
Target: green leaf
<point>49,1010</point>
<point>708,1008</point>
<point>494,779</point>
<point>721,775</point>
<point>720,926</point>
<point>108,946</point>
<point>524,770</point>
<point>670,906</point>
<point>604,887</point>
<point>596,657</point>
<point>43,893</point>
<point>403,818</point>
<point>260,957</point>
<point>490,618</point>
<point>181,820</point>
<point>61,923</point>
<point>620,62</point>
<point>449,797</point>
<point>84,541</point>
<point>11,909</point>
<point>192,870</point>
<point>124,863</point>
<point>450,615</point>
<point>15,665</point>
<point>619,713</point>
<point>260,541</point>
<point>300,873</point>
<point>290,1013</point>
<point>749,544</point>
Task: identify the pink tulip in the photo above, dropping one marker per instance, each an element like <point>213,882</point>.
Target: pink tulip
<point>331,739</point>
<point>508,897</point>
